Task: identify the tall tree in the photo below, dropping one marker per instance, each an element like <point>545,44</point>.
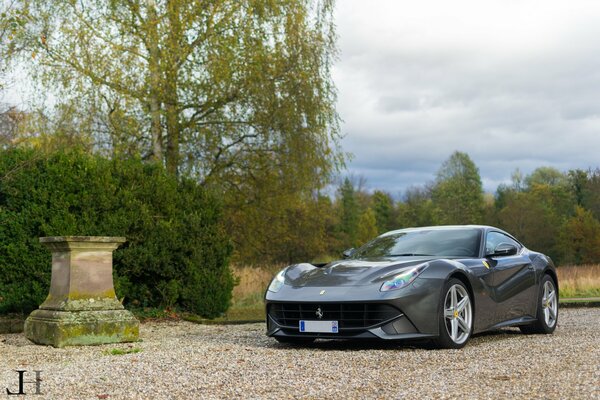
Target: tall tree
<point>11,21</point>
<point>367,227</point>
<point>6,33</point>
<point>416,209</point>
<point>518,181</point>
<point>458,193</point>
<point>235,93</point>
<point>503,190</point>
<point>577,181</point>
<point>214,88</point>
<point>349,213</point>
<point>267,233</point>
<point>546,176</point>
<point>383,207</point>
<point>580,238</point>
<point>591,193</point>
<point>533,220</point>
<point>9,123</point>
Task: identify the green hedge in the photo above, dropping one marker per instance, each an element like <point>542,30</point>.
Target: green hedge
<point>176,252</point>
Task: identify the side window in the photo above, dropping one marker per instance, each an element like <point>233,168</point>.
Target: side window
<point>495,238</point>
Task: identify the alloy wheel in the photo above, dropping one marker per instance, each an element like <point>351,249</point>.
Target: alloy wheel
<point>549,304</point>
<point>458,314</point>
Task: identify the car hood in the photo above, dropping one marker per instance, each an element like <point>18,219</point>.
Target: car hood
<point>349,272</point>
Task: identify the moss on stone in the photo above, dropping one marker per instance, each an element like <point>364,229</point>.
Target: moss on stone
<point>108,294</point>
<point>60,328</point>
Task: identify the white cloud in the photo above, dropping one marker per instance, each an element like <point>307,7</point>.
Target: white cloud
<point>513,83</point>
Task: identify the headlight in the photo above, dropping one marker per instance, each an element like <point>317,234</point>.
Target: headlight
<point>403,279</point>
<point>277,282</point>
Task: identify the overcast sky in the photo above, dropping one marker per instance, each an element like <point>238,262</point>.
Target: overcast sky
<point>513,83</point>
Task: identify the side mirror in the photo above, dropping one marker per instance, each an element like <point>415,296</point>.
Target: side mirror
<point>505,249</point>
<point>348,253</point>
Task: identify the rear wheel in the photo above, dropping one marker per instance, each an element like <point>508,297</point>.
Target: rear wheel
<point>455,316</point>
<point>297,341</point>
<point>547,309</point>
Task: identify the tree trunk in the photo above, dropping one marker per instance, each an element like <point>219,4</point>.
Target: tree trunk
<point>173,131</point>
<point>171,87</point>
<point>154,82</point>
<point>156,129</point>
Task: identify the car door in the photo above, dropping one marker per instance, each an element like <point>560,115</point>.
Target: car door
<point>514,286</point>
<point>481,270</point>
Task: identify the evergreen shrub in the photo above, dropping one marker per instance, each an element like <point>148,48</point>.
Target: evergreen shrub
<point>177,250</point>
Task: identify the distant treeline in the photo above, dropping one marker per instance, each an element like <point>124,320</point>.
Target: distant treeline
<point>551,211</point>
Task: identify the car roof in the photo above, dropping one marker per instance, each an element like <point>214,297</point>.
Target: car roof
<point>444,227</point>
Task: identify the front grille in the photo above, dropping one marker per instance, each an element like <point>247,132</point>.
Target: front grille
<point>348,315</point>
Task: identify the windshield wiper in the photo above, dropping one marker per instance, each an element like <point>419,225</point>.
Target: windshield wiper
<point>408,255</point>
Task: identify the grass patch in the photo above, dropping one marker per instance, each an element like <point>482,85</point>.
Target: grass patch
<point>252,282</point>
<point>248,295</point>
<point>255,312</point>
<point>579,280</point>
<point>250,308</point>
<point>154,314</point>
<point>120,352</point>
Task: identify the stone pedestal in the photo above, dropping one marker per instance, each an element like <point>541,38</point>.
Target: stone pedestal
<point>81,308</point>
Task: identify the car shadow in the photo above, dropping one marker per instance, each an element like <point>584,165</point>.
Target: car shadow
<point>253,336</point>
<point>422,344</point>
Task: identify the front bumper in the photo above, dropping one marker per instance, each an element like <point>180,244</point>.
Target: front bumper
<point>397,329</point>
<point>415,316</point>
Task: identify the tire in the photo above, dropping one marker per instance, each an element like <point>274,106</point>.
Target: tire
<point>455,315</point>
<point>547,309</point>
<point>296,341</point>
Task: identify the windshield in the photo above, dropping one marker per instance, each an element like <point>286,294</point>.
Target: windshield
<point>432,242</point>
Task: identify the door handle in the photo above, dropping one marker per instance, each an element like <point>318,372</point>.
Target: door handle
<point>530,266</point>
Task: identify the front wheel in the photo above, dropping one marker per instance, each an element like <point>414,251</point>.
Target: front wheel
<point>547,309</point>
<point>455,316</point>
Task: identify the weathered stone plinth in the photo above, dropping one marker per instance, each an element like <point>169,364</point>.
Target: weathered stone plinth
<point>81,308</point>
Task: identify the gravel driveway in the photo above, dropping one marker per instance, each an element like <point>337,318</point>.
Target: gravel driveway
<point>189,361</point>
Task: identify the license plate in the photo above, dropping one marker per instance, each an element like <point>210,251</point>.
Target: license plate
<point>319,326</point>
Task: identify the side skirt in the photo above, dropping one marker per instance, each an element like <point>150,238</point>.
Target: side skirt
<point>511,322</point>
